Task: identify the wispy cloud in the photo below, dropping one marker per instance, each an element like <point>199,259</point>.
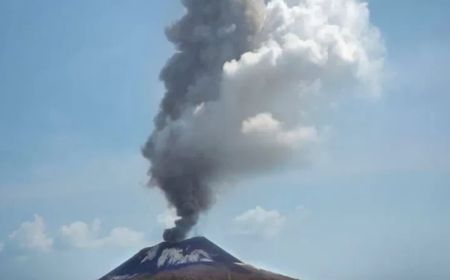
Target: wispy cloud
<point>83,235</point>
<point>259,222</point>
<point>33,235</point>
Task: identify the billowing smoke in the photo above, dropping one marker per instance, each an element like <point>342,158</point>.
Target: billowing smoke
<point>246,87</point>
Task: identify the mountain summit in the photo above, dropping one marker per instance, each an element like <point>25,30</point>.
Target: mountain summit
<point>196,258</point>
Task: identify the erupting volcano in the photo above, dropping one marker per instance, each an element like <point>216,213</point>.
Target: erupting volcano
<point>246,93</point>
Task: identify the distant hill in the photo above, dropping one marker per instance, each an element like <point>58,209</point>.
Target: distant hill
<point>196,258</point>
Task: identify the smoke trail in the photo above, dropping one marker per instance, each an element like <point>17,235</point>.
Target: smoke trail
<point>246,86</point>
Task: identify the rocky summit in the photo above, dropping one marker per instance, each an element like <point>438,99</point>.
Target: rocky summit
<point>196,258</point>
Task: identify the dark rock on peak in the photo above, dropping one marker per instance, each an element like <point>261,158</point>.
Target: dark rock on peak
<point>195,258</point>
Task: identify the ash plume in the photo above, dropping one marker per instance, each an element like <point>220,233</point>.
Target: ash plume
<point>246,87</point>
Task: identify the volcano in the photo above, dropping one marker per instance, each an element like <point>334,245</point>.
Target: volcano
<point>195,258</point>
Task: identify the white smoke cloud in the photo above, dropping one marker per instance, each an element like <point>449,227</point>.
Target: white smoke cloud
<point>167,218</point>
<point>262,108</point>
<point>83,235</point>
<point>259,222</point>
<point>311,54</point>
<point>33,235</point>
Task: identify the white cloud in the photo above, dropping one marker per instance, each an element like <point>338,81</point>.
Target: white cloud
<point>82,235</point>
<point>259,222</point>
<point>167,218</point>
<point>33,235</point>
<point>265,127</point>
<point>262,123</point>
<point>125,237</point>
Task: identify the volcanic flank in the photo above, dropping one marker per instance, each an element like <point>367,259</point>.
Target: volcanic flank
<point>196,258</point>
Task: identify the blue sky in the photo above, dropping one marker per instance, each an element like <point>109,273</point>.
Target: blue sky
<point>79,88</point>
